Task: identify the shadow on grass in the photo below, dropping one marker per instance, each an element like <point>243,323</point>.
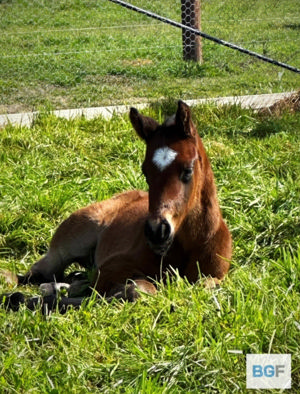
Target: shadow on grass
<point>293,26</point>
<point>266,127</point>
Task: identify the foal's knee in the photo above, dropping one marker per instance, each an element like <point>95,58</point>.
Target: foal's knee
<point>145,286</point>
<point>47,269</point>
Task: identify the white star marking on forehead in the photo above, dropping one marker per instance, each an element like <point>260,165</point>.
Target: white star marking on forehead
<point>163,157</point>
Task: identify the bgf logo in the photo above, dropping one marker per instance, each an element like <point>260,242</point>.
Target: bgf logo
<point>268,371</point>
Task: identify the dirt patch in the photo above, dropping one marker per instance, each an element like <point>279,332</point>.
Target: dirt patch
<point>289,104</point>
<point>14,108</point>
<point>137,62</point>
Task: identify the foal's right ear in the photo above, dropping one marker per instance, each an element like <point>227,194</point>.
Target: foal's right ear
<point>143,125</point>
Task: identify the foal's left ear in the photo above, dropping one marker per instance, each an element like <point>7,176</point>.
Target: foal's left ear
<point>184,119</point>
<point>143,125</point>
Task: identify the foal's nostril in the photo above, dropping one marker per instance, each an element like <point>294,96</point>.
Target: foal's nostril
<point>164,230</point>
<point>157,232</point>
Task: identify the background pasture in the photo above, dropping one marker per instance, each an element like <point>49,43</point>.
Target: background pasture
<point>69,54</point>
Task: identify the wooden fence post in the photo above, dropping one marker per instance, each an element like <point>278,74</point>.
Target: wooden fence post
<point>191,17</point>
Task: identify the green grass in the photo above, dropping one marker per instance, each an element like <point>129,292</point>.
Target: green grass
<point>67,54</point>
<point>180,340</point>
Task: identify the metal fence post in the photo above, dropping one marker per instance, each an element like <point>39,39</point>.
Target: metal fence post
<point>191,16</point>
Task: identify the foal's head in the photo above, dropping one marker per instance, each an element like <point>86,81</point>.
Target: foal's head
<point>172,168</point>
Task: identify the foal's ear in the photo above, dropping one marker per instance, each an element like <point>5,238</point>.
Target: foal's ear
<point>184,119</point>
<point>143,125</point>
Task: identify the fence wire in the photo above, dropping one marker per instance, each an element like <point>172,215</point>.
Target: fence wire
<point>193,31</point>
<point>88,53</point>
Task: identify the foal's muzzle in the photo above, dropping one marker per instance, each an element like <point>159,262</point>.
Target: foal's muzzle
<point>159,235</point>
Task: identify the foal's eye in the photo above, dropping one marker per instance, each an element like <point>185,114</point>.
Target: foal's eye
<point>186,175</point>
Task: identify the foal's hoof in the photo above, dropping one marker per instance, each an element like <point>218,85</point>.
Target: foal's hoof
<point>12,301</point>
<point>53,288</point>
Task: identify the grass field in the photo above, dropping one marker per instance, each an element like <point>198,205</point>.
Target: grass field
<point>181,340</point>
<point>66,54</point>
